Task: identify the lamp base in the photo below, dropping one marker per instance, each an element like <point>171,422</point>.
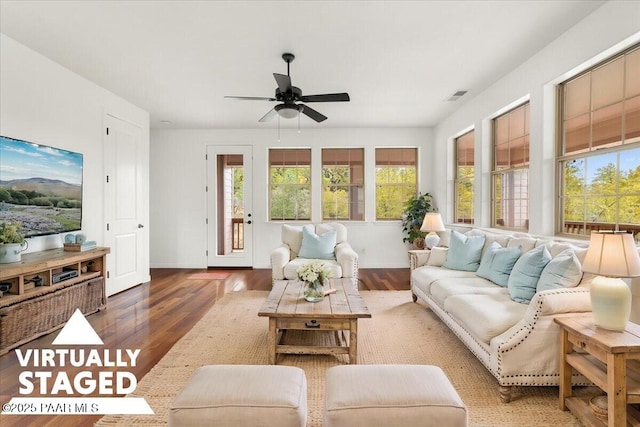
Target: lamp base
<point>432,239</point>
<point>610,303</point>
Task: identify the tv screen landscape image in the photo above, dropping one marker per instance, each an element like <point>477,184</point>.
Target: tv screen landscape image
<point>40,187</point>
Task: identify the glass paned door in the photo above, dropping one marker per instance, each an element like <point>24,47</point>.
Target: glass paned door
<point>229,216</point>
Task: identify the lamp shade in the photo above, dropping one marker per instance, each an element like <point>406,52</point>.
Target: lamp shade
<point>432,222</point>
<point>612,254</point>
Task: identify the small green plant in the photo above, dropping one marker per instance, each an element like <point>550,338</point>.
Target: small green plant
<point>10,233</point>
<point>414,211</point>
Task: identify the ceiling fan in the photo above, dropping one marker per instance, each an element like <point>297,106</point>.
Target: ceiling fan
<point>289,97</point>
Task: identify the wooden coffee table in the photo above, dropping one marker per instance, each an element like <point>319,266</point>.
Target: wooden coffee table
<point>286,308</point>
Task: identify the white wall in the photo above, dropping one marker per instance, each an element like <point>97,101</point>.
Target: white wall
<point>43,102</point>
<point>178,199</point>
<point>610,29</point>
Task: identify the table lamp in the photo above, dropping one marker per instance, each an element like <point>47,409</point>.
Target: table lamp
<point>611,255</point>
<point>432,222</point>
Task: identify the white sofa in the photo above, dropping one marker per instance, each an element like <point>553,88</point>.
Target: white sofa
<point>285,259</point>
<point>517,342</point>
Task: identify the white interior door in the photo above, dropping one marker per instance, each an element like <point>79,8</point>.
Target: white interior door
<point>229,207</point>
<point>125,232</point>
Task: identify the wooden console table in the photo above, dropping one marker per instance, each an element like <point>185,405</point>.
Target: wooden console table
<point>46,288</point>
<point>611,360</point>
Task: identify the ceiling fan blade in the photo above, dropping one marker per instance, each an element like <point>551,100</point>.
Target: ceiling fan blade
<point>327,97</point>
<point>268,116</point>
<point>251,98</point>
<point>284,82</point>
<point>313,114</point>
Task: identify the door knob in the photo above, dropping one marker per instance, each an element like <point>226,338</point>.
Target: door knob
<point>140,226</point>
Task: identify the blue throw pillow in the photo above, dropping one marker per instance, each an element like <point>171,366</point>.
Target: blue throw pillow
<point>526,273</point>
<point>464,252</point>
<point>564,271</point>
<point>317,246</point>
<point>497,263</point>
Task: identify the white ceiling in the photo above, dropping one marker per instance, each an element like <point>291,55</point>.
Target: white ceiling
<point>399,61</point>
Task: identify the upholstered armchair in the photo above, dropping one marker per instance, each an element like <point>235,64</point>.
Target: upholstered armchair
<point>326,242</point>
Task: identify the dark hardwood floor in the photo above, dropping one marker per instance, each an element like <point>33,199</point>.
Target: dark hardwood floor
<point>152,317</point>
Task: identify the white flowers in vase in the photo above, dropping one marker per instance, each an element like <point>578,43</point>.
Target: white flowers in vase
<point>314,275</point>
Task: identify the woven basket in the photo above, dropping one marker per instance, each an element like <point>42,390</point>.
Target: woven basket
<point>30,319</point>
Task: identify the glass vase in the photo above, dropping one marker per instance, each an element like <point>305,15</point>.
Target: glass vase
<point>313,291</point>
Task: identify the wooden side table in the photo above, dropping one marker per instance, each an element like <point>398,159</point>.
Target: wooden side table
<point>611,360</point>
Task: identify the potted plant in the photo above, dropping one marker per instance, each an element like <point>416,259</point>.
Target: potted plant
<point>412,217</point>
<point>11,242</point>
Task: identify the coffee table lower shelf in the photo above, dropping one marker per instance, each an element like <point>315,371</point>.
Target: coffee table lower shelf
<point>345,333</point>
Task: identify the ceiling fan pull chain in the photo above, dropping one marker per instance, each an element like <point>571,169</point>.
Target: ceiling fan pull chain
<point>278,128</point>
<point>298,123</point>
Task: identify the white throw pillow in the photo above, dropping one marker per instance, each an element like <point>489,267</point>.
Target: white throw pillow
<point>563,271</point>
<point>438,256</point>
<point>445,238</point>
<point>292,236</point>
<point>525,243</point>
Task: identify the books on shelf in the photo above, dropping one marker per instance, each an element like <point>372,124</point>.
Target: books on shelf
<point>80,247</point>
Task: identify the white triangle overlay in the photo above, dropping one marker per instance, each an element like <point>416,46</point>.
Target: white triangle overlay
<point>77,331</point>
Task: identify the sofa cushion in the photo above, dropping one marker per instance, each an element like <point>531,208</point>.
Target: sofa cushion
<point>526,273</point>
<point>291,269</point>
<point>485,316</point>
<point>317,246</point>
<point>437,257</point>
<point>563,271</point>
<point>444,288</point>
<point>464,252</point>
<point>424,277</point>
<point>497,263</point>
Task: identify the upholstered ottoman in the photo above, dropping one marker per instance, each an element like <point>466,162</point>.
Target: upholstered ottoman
<point>242,395</point>
<point>391,395</point>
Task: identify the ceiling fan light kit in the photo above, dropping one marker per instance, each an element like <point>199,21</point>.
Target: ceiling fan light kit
<point>289,111</point>
<point>290,98</point>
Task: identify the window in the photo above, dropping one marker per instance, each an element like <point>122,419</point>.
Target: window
<point>465,171</point>
<point>600,148</point>
<point>290,184</point>
<point>396,180</point>
<point>343,183</point>
<point>511,169</point>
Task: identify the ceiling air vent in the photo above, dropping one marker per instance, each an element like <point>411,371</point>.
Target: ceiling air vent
<point>457,95</point>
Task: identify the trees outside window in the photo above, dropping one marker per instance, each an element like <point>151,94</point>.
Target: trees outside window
<point>599,148</point>
<point>396,181</point>
<point>343,184</point>
<point>465,171</point>
<point>290,184</point>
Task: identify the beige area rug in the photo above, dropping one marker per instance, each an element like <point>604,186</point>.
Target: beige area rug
<point>399,332</point>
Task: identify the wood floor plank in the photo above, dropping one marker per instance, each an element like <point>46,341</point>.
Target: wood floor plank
<point>152,317</point>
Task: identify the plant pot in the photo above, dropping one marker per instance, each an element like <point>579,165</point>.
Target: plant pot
<point>12,252</point>
<point>418,242</point>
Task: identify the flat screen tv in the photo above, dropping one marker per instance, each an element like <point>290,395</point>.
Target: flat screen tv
<point>40,187</point>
